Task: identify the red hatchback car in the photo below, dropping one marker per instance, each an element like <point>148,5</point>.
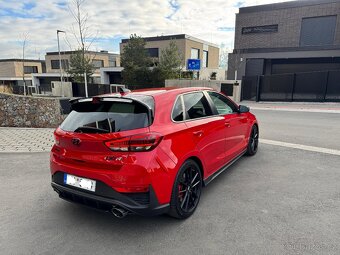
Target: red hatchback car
<point>150,151</point>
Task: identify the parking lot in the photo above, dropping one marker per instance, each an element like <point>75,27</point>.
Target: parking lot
<point>285,200</point>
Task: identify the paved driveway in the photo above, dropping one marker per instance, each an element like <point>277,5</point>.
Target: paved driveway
<point>282,201</point>
<point>26,139</point>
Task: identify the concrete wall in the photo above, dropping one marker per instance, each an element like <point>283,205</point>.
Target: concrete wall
<point>216,85</point>
<point>193,83</point>
<point>21,111</point>
<point>64,90</point>
<point>205,73</point>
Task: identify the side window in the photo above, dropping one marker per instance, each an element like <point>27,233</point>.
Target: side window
<point>196,105</point>
<point>177,112</point>
<point>223,105</point>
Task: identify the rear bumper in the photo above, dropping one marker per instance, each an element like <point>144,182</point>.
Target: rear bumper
<point>104,198</point>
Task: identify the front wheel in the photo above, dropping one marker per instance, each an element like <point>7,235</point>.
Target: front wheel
<point>253,141</point>
<point>187,190</point>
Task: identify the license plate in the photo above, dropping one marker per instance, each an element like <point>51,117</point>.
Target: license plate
<point>80,182</point>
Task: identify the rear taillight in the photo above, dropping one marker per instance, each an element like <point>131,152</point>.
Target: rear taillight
<point>56,139</point>
<point>141,142</point>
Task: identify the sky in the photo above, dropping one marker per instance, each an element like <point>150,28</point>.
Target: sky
<point>110,20</point>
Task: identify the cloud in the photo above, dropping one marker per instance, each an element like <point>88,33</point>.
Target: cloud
<point>174,6</point>
<point>112,20</point>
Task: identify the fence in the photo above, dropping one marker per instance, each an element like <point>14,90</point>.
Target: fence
<point>312,86</point>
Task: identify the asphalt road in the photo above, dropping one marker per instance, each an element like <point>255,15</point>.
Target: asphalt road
<point>282,201</point>
<point>307,128</point>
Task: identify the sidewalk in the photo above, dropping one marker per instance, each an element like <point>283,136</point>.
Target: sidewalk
<point>26,139</point>
<point>294,106</point>
<point>41,139</point>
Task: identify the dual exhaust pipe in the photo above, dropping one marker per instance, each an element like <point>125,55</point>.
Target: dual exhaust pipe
<point>119,212</point>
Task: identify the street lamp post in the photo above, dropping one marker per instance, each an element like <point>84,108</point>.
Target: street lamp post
<point>23,67</point>
<point>60,66</point>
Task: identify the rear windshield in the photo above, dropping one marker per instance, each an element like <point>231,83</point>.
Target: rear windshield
<point>106,117</point>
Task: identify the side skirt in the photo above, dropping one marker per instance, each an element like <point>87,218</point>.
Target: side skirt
<point>218,172</point>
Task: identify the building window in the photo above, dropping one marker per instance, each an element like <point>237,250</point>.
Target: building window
<point>153,52</point>
<point>195,53</point>
<point>112,61</point>
<point>318,31</point>
<point>97,63</point>
<point>55,64</point>
<point>28,83</point>
<point>260,29</point>
<point>30,69</point>
<point>205,58</point>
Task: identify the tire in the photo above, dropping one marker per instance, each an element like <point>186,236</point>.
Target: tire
<point>253,143</point>
<point>186,191</point>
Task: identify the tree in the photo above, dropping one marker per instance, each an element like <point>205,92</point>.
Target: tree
<point>139,69</point>
<point>170,63</point>
<point>80,64</point>
<point>82,34</point>
<point>24,41</point>
<point>224,58</point>
<point>136,62</point>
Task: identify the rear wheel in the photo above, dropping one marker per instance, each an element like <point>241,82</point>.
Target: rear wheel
<point>187,190</point>
<point>253,141</point>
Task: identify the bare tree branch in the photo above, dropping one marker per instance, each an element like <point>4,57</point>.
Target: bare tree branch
<point>83,36</point>
<point>24,41</point>
<point>94,38</point>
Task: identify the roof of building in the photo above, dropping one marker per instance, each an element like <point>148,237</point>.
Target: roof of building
<point>284,5</point>
<point>173,37</point>
<point>21,60</point>
<point>102,52</point>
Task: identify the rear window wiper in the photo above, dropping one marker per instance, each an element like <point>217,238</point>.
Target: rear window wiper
<point>85,129</point>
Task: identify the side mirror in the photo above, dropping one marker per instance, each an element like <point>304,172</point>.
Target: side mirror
<point>243,109</point>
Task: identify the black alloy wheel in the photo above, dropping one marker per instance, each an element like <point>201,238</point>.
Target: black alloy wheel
<point>186,191</point>
<point>253,141</point>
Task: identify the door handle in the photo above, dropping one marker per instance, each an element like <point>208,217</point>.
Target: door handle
<point>227,124</point>
<point>198,133</point>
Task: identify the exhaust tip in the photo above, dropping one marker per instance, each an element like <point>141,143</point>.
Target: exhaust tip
<point>119,212</point>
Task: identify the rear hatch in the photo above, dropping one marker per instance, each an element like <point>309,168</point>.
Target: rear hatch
<point>98,131</point>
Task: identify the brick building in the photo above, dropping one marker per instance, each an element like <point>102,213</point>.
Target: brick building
<point>295,37</point>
